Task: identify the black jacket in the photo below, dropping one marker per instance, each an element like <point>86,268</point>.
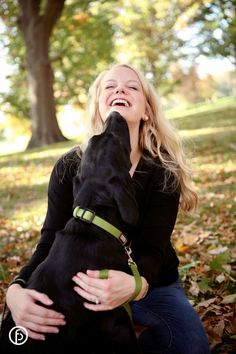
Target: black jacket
<point>151,244</point>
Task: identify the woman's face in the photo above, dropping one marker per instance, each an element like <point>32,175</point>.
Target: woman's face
<point>121,91</point>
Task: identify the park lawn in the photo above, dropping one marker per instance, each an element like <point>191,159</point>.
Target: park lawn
<point>204,241</point>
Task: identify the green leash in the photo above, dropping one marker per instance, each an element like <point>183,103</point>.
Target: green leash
<point>90,217</point>
<point>103,274</point>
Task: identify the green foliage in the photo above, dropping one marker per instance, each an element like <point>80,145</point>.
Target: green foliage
<point>147,37</point>
<point>215,21</point>
<point>221,259</point>
<point>80,46</point>
<point>204,285</point>
<point>92,34</point>
<point>15,99</point>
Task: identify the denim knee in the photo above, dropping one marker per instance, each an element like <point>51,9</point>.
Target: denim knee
<point>173,326</point>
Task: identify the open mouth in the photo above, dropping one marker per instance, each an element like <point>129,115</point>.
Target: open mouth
<point>120,102</point>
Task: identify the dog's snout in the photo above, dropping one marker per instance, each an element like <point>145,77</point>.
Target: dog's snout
<point>115,123</point>
<point>116,117</point>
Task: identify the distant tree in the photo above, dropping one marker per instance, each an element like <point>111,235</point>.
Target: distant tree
<point>81,46</point>
<point>191,87</point>
<point>72,51</point>
<point>36,21</point>
<point>147,37</point>
<point>215,28</point>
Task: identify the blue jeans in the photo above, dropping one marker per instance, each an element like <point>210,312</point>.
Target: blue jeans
<point>174,327</point>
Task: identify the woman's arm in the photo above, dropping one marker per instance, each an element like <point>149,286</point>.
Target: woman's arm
<point>23,302</point>
<point>59,211</point>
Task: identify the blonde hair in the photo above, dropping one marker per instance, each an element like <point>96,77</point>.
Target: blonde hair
<point>157,136</point>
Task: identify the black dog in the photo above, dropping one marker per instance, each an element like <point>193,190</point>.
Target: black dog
<point>103,185</point>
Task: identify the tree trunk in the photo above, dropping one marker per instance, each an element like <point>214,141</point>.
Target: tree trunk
<point>45,129</point>
<point>36,30</point>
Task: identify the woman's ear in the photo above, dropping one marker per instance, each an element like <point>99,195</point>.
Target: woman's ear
<point>123,195</point>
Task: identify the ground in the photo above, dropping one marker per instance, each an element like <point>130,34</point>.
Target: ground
<point>204,241</point>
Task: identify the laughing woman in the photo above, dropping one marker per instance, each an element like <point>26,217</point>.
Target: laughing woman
<point>162,183</point>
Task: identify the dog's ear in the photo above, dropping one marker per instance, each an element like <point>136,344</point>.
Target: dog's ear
<point>125,200</point>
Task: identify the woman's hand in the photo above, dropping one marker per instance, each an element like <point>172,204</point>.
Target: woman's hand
<point>35,318</point>
<point>111,292</point>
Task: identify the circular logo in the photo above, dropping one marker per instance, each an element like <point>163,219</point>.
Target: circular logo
<point>18,335</point>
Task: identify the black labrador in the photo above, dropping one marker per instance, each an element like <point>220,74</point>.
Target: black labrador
<point>103,185</point>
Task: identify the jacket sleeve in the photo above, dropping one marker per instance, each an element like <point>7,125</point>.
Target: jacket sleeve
<point>59,211</point>
<point>155,254</point>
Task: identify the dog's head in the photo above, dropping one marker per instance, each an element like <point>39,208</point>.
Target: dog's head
<point>104,178</point>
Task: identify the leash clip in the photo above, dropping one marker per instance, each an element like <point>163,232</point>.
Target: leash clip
<point>128,251</point>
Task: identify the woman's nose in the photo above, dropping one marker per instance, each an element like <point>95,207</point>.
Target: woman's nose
<point>120,89</point>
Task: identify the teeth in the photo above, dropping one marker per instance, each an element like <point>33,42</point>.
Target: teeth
<point>120,101</point>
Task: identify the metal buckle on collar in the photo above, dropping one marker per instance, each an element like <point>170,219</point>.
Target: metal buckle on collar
<point>90,220</point>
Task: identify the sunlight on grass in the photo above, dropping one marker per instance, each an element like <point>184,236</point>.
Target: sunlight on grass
<point>30,213</point>
<point>205,131</point>
<point>16,131</point>
<point>41,153</point>
<point>24,175</point>
<point>219,104</point>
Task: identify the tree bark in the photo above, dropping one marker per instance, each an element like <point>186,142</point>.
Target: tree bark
<point>36,30</point>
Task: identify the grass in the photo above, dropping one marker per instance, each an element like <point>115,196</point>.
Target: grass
<point>205,241</point>
<point>223,104</point>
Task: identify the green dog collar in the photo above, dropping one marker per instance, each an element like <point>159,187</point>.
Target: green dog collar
<point>90,217</point>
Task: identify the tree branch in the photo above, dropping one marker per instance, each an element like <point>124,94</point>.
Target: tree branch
<point>28,9</point>
<point>52,13</point>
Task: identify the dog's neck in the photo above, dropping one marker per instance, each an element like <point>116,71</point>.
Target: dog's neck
<point>104,182</point>
<point>110,214</point>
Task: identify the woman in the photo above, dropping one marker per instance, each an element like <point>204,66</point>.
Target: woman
<point>162,183</point>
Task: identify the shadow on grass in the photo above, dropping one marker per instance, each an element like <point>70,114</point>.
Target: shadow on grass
<point>223,142</point>
<point>16,199</point>
<point>17,162</point>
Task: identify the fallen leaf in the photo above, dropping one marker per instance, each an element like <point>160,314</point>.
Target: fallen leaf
<point>229,299</point>
<point>206,303</point>
<point>194,289</point>
<point>219,328</point>
<point>220,278</point>
<point>218,250</point>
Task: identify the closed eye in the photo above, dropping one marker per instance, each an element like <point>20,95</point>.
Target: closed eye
<point>133,88</point>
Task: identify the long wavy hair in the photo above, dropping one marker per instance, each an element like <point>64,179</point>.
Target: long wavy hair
<point>157,135</point>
